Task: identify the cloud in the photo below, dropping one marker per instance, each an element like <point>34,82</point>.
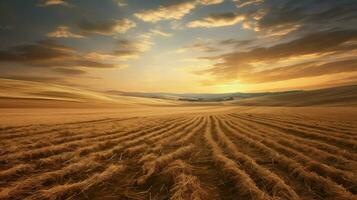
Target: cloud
<point>124,50</point>
<point>217,20</point>
<point>48,53</point>
<point>121,3</point>
<point>67,71</point>
<point>244,3</point>
<point>175,10</point>
<point>63,32</point>
<point>54,3</point>
<point>160,32</point>
<point>169,11</point>
<point>50,79</point>
<point>108,27</point>
<point>280,18</point>
<point>203,46</point>
<point>126,54</point>
<point>282,30</point>
<point>209,2</point>
<point>238,64</point>
<point>137,45</point>
<point>301,70</point>
<point>237,43</point>
<point>41,51</point>
<point>129,49</point>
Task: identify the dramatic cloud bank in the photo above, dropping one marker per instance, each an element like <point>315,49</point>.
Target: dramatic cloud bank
<point>181,45</point>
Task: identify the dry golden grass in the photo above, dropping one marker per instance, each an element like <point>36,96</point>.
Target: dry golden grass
<point>181,153</point>
<point>186,186</point>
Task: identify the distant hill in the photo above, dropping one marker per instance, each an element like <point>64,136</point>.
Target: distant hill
<point>21,94</point>
<point>337,96</point>
<point>199,97</point>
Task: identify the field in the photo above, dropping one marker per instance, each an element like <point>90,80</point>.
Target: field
<point>179,153</point>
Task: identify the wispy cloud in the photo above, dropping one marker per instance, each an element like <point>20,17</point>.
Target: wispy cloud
<point>67,71</point>
<point>121,3</point>
<point>54,3</point>
<point>63,32</point>
<point>244,3</point>
<point>129,49</point>
<point>209,2</point>
<point>279,18</point>
<point>301,70</point>
<point>49,54</point>
<point>160,32</point>
<point>141,43</point>
<point>37,78</point>
<point>237,43</point>
<point>170,11</point>
<point>242,64</point>
<point>217,20</point>
<point>200,45</point>
<point>108,27</point>
<point>173,11</point>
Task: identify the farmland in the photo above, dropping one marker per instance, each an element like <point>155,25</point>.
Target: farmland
<point>178,100</point>
<point>192,153</point>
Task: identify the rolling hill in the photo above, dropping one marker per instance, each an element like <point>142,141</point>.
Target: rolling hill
<point>19,93</point>
<point>337,96</point>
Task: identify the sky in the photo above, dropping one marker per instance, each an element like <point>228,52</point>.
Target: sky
<point>211,46</point>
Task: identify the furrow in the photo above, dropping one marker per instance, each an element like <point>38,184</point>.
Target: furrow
<point>186,185</point>
<point>243,183</point>
<point>299,127</point>
<point>158,145</point>
<point>321,186</point>
<point>342,143</point>
<point>150,167</point>
<point>347,179</point>
<point>73,190</point>
<point>276,187</point>
<point>71,146</point>
<point>97,148</point>
<point>301,146</point>
<point>26,187</point>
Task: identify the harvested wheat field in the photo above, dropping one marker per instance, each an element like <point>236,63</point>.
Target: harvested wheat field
<point>228,153</point>
<point>178,100</point>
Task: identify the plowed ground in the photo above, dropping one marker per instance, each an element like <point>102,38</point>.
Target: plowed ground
<point>231,155</point>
